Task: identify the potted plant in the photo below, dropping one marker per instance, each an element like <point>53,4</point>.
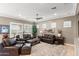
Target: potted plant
<point>34,30</point>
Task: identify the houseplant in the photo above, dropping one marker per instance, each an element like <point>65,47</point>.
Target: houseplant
<point>34,30</point>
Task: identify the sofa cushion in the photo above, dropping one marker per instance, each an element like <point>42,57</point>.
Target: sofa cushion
<point>1,46</point>
<point>26,36</point>
<point>6,43</point>
<point>12,41</point>
<point>20,42</point>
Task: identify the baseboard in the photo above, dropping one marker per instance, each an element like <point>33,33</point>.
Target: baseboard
<point>69,44</point>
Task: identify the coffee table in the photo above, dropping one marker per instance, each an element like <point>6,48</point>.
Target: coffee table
<point>26,49</point>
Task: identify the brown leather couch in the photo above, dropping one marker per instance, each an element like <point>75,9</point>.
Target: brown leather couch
<point>27,36</point>
<point>48,38</point>
<point>34,41</point>
<point>12,49</point>
<point>30,39</point>
<point>8,51</point>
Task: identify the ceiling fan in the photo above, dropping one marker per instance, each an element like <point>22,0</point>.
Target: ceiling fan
<point>53,8</point>
<point>37,17</point>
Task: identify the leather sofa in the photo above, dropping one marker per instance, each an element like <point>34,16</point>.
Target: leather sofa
<point>30,39</point>
<point>12,49</point>
<point>16,50</point>
<point>8,51</point>
<point>34,41</point>
<point>20,39</point>
<point>27,36</point>
<point>48,38</point>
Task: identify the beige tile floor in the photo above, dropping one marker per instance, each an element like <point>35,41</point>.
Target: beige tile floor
<point>45,49</point>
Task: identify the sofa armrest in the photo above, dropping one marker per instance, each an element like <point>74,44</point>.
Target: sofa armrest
<point>9,51</point>
<point>20,42</point>
<point>11,47</point>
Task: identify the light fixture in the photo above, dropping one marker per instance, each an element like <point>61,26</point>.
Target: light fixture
<point>55,14</point>
<point>37,17</point>
<point>53,8</point>
<point>20,15</point>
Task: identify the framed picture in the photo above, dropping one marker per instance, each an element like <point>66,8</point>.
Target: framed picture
<point>4,29</point>
<point>67,24</point>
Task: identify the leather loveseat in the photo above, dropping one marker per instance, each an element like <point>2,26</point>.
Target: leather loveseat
<point>48,38</point>
<point>12,49</point>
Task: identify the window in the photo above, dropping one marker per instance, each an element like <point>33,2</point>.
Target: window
<point>44,26</point>
<point>37,26</point>
<point>67,23</point>
<point>16,28</point>
<point>53,25</point>
<point>27,28</point>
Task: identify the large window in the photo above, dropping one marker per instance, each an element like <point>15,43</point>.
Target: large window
<point>16,28</point>
<point>20,29</point>
<point>38,26</point>
<point>27,28</point>
<point>67,24</point>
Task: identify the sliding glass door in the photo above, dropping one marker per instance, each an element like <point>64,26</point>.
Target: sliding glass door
<point>16,29</point>
<point>20,29</point>
<point>27,29</point>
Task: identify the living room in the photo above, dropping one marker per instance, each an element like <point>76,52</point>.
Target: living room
<point>39,29</point>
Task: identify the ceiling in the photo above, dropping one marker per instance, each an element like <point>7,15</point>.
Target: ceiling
<point>28,11</point>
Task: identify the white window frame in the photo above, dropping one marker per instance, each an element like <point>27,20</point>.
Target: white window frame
<point>17,31</point>
<point>38,26</point>
<point>29,26</point>
<point>67,24</point>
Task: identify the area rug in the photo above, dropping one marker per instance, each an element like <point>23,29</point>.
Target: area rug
<point>45,49</point>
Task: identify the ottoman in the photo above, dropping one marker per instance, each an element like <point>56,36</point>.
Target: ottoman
<point>26,49</point>
<point>19,46</point>
<point>34,41</point>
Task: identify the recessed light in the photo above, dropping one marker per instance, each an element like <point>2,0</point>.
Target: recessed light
<point>54,14</point>
<point>20,15</point>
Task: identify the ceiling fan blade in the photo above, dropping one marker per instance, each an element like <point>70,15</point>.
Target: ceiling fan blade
<point>53,8</point>
<point>39,18</point>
